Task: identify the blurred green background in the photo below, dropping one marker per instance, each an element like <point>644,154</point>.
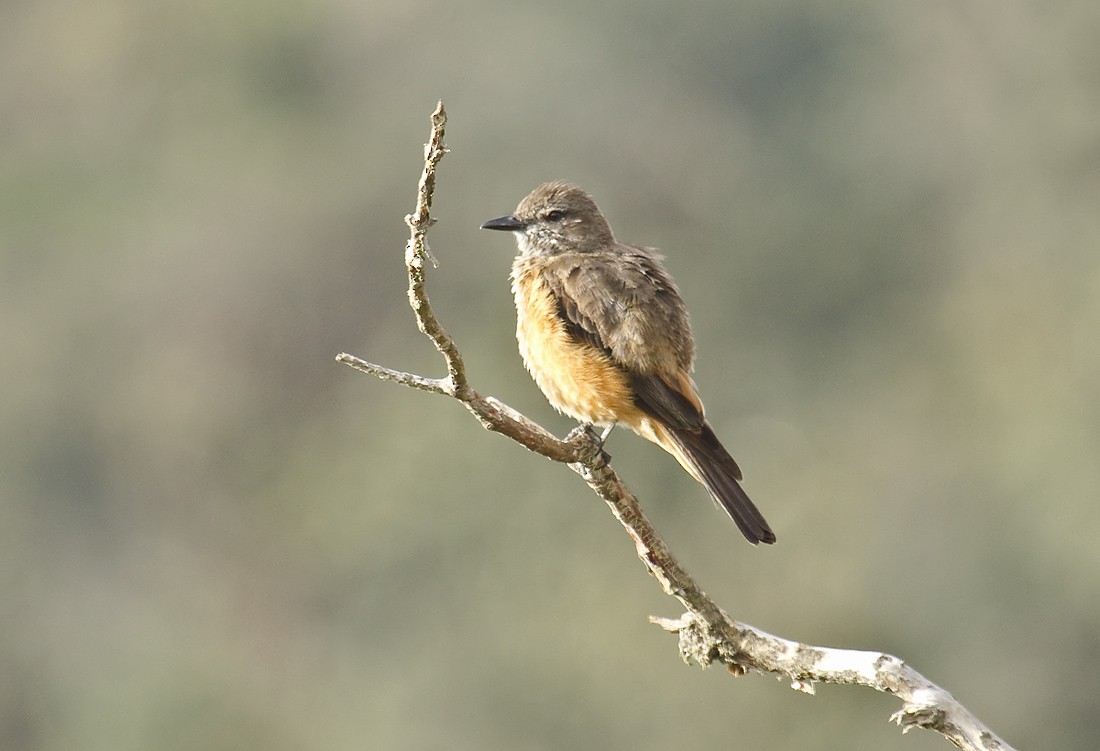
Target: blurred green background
<point>884,218</point>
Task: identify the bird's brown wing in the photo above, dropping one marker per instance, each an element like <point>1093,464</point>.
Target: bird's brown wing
<point>629,308</point>
<point>669,406</point>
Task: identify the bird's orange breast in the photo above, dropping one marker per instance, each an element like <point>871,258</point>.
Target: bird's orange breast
<point>578,379</point>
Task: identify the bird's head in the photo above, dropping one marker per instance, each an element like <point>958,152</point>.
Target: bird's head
<point>554,218</point>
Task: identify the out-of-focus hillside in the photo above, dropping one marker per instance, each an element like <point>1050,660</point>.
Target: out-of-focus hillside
<point>883,218</point>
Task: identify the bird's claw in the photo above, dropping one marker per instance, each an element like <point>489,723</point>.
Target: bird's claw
<point>585,433</point>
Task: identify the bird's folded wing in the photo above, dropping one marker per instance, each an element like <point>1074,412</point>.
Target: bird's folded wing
<point>602,309</point>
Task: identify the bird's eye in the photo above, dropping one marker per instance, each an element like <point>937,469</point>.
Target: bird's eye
<point>555,215</point>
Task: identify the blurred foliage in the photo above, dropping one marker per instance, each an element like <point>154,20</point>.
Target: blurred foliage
<point>883,217</point>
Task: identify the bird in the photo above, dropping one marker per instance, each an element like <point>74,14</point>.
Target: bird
<point>605,334</point>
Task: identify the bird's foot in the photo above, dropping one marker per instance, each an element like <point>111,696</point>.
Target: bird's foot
<point>585,435</point>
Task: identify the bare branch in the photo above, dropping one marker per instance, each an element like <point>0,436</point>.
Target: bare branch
<point>434,385</point>
<point>417,252</point>
<point>706,633</point>
<point>924,704</point>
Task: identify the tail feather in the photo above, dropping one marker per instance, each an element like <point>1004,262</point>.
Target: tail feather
<point>706,458</point>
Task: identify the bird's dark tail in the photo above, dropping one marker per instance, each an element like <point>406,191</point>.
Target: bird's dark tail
<point>706,458</point>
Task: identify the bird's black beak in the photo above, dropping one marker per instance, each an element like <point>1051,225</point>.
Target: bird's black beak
<point>507,223</point>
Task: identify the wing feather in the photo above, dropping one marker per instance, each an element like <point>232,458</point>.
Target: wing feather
<point>629,308</point>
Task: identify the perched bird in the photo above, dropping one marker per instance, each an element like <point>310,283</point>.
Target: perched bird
<point>605,334</point>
